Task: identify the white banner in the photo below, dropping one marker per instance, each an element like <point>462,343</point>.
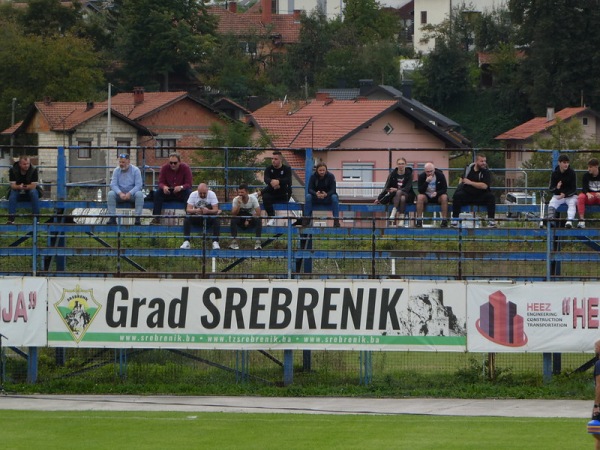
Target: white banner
<point>23,311</point>
<point>540,317</point>
<point>257,314</point>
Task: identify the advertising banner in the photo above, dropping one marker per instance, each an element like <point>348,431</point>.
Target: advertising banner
<point>537,317</point>
<point>257,314</point>
<point>23,311</point>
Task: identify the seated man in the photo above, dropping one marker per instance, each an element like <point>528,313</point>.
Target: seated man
<point>432,188</point>
<point>174,184</point>
<point>202,205</point>
<point>563,184</point>
<point>23,179</point>
<point>246,215</point>
<point>126,187</point>
<point>321,191</point>
<point>278,178</point>
<point>474,189</point>
<point>590,191</point>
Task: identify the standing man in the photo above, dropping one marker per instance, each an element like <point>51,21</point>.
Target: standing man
<point>322,191</point>
<point>126,187</point>
<point>23,179</point>
<point>590,191</point>
<point>474,189</point>
<point>563,184</point>
<point>202,205</point>
<point>278,178</point>
<point>174,184</point>
<point>246,215</point>
<point>432,188</point>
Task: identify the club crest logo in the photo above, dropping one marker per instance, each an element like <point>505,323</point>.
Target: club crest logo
<point>77,309</point>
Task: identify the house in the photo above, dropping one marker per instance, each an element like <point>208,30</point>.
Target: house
<point>82,127</point>
<point>523,136</point>
<point>159,121</point>
<point>274,31</point>
<point>359,139</point>
<point>434,12</point>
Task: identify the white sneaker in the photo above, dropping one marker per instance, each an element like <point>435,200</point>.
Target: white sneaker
<point>271,223</point>
<point>491,224</point>
<point>569,224</point>
<point>581,224</point>
<point>234,245</point>
<point>454,224</point>
<point>186,245</point>
<point>257,245</point>
<point>216,245</point>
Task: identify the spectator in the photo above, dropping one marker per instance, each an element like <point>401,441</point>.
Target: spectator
<point>245,212</point>
<point>174,184</point>
<point>202,205</point>
<point>23,177</point>
<point>322,191</point>
<point>433,188</point>
<point>278,178</point>
<point>398,189</point>
<point>563,184</point>
<point>474,189</point>
<point>590,191</point>
<point>126,187</point>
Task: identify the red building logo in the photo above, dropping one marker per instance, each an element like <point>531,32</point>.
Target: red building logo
<point>499,322</point>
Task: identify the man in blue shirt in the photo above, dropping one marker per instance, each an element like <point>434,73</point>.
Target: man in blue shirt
<point>126,187</point>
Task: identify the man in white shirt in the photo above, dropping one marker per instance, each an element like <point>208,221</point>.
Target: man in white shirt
<point>202,209</point>
<point>246,215</point>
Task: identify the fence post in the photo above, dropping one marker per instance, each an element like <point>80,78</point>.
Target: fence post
<point>288,367</point>
<point>32,365</point>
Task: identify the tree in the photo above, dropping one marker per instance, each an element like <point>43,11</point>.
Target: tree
<point>562,66</point>
<point>157,38</point>
<point>60,67</point>
<point>49,17</point>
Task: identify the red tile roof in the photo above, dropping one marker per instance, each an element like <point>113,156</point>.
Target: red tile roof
<point>153,102</point>
<point>251,23</point>
<point>319,124</point>
<point>538,124</point>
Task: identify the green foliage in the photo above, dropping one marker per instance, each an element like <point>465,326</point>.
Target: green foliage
<point>49,17</point>
<point>157,38</point>
<point>34,67</point>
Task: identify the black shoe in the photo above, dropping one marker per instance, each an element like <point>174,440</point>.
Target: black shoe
<point>111,221</point>
<point>297,223</point>
<point>306,222</point>
<point>137,222</point>
<point>155,221</point>
<point>336,223</point>
<point>419,223</point>
<point>444,223</point>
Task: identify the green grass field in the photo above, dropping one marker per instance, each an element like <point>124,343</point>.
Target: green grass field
<point>153,430</point>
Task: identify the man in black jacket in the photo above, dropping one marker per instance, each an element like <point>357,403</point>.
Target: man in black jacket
<point>474,189</point>
<point>23,179</point>
<point>278,178</point>
<point>563,184</point>
<point>322,191</point>
<point>432,188</point>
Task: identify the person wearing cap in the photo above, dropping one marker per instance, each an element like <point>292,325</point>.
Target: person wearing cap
<point>126,187</point>
<point>174,185</point>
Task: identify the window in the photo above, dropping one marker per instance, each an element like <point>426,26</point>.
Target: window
<point>388,129</point>
<point>584,121</point>
<point>508,155</point>
<point>165,147</point>
<point>423,17</point>
<point>84,151</point>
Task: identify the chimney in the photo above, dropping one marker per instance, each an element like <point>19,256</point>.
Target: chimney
<point>406,88</point>
<point>266,16</point>
<point>297,14</point>
<point>138,95</point>
<point>322,96</point>
<point>365,85</point>
<point>232,7</point>
<point>89,105</point>
<point>549,113</point>
<point>47,100</point>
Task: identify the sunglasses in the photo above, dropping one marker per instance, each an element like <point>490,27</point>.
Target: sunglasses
<point>173,163</point>
<point>124,155</point>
